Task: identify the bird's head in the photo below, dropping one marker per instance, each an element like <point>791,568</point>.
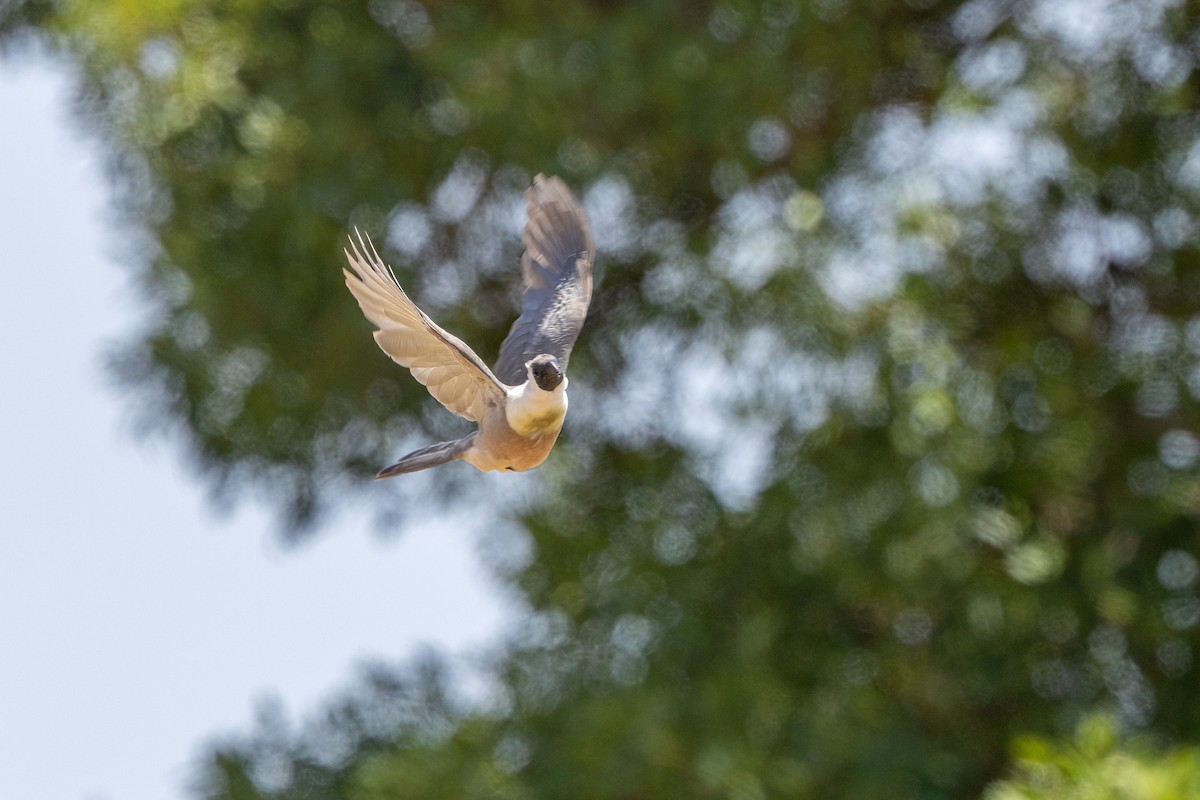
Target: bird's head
<point>546,372</point>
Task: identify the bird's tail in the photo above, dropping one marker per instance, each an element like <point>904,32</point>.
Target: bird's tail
<point>432,456</point>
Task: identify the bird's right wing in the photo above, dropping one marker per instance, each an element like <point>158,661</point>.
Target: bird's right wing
<point>557,269</point>
<point>450,370</point>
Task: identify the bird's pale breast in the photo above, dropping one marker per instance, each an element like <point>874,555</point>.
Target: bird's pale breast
<point>499,447</point>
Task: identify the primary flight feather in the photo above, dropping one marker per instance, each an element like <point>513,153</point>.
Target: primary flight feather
<point>521,405</point>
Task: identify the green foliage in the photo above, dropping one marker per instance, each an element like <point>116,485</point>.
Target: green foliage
<point>1095,766</point>
<point>249,137</point>
<point>882,446</point>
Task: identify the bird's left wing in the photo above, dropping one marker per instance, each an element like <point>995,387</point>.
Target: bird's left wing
<point>450,370</point>
<point>557,270</point>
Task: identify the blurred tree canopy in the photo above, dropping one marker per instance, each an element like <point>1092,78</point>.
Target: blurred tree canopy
<point>882,448</point>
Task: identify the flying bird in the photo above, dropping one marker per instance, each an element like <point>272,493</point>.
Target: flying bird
<point>519,405</point>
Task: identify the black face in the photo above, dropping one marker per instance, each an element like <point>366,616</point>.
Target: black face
<point>547,372</point>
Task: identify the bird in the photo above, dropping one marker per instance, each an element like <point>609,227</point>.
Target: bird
<point>521,403</point>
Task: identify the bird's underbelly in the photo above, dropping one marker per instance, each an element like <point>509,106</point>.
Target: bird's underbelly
<point>501,448</point>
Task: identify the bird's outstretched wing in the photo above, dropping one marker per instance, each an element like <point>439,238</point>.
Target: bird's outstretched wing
<point>450,370</point>
<point>557,269</point>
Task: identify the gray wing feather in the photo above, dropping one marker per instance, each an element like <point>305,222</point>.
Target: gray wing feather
<point>449,369</point>
<point>557,270</point>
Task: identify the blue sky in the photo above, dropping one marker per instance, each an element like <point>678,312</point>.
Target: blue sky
<point>136,624</point>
